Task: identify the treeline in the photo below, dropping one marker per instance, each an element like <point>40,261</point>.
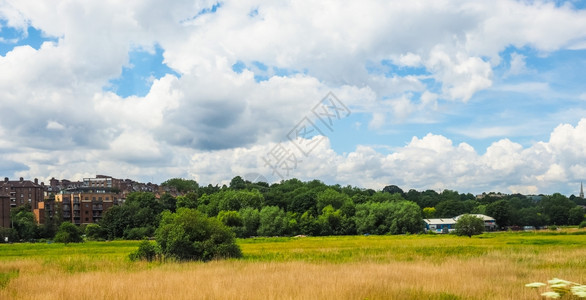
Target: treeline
<point>293,207</point>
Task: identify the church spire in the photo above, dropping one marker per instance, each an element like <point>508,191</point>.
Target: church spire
<point>581,190</point>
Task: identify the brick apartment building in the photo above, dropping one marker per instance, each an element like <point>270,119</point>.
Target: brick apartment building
<point>20,192</point>
<point>4,211</point>
<point>78,202</point>
<point>84,205</point>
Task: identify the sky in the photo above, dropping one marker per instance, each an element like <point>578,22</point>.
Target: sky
<point>472,96</point>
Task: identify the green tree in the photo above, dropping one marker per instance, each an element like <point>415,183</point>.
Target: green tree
<point>68,233</point>
<point>237,183</point>
<point>189,200</point>
<point>406,218</point>
<point>429,212</point>
<point>395,217</point>
<point>501,211</point>
<point>303,200</point>
<point>575,215</point>
<point>272,221</point>
<point>182,185</point>
<point>190,235</point>
<point>308,224</point>
<point>230,218</point>
<point>115,221</point>
<point>557,208</point>
<point>330,221</point>
<point>168,202</point>
<point>385,197</point>
<point>450,208</point>
<point>469,225</point>
<point>24,222</point>
<point>333,198</point>
<point>208,204</point>
<point>250,221</point>
<point>531,216</point>
<point>393,189</point>
<point>235,200</point>
<point>428,198</point>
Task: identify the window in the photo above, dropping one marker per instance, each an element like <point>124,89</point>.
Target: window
<point>87,205</point>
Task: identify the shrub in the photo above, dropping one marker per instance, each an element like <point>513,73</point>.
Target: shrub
<point>138,233</point>
<point>582,225</point>
<point>190,235</point>
<point>68,233</point>
<point>95,232</point>
<point>146,251</point>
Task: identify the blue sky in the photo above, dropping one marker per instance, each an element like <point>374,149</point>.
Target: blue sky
<point>474,97</point>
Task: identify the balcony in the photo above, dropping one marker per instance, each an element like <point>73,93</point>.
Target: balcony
<point>66,215</point>
<point>97,207</point>
<point>75,207</point>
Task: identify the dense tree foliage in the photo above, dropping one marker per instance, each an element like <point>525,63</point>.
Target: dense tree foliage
<point>293,207</point>
<point>24,223</point>
<point>501,211</point>
<point>181,185</point>
<point>137,218</point>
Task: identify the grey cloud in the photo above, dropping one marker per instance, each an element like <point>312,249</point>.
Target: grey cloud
<point>11,167</point>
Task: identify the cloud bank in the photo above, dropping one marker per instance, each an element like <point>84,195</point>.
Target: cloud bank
<point>245,72</point>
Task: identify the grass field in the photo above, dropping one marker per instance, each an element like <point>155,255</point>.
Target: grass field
<point>490,266</point>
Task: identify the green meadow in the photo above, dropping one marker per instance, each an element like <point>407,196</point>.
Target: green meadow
<point>491,265</point>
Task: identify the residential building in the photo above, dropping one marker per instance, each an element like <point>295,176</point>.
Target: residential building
<point>4,211</point>
<point>102,181</point>
<point>85,205</point>
<point>55,185</point>
<point>21,192</point>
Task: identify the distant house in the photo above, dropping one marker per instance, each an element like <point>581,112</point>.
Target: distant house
<point>440,225</point>
<point>447,225</point>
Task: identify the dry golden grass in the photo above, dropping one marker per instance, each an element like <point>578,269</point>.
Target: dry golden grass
<point>498,271</point>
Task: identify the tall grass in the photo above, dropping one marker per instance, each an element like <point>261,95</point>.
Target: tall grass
<point>491,266</point>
